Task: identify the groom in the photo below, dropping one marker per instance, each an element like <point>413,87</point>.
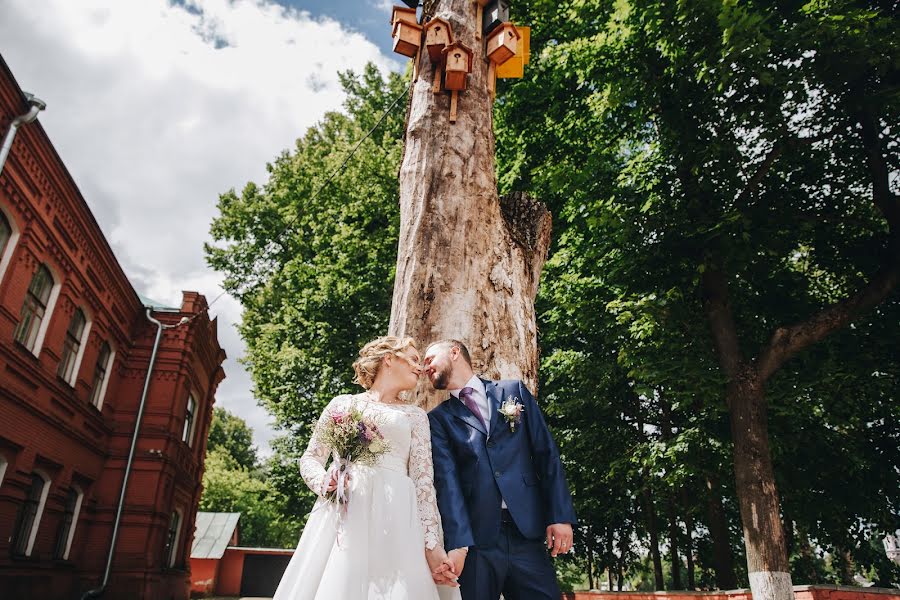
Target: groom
<point>500,485</point>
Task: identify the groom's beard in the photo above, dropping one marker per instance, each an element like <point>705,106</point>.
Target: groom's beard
<point>439,381</point>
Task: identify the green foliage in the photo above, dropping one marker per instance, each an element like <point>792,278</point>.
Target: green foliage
<point>234,436</point>
<point>668,138</point>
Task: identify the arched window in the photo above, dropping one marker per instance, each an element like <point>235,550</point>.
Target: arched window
<point>29,518</point>
<point>73,347</point>
<point>172,537</point>
<point>66,531</point>
<point>190,417</point>
<point>8,237</point>
<point>36,309</point>
<point>102,370</point>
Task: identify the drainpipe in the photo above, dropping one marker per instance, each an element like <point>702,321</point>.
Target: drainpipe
<point>37,105</point>
<point>98,591</point>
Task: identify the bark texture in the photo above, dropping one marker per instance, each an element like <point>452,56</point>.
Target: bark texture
<point>468,262</point>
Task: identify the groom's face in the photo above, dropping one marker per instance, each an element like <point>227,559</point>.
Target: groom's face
<point>439,362</point>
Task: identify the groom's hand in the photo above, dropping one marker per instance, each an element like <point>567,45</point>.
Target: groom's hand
<point>458,559</point>
<point>559,538</point>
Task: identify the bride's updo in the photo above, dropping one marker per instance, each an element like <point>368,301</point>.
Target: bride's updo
<point>372,354</point>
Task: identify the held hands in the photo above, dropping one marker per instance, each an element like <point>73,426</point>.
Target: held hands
<point>441,567</point>
<point>559,538</point>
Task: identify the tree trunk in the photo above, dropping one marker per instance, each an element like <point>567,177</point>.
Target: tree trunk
<point>589,549</point>
<point>767,563</point>
<point>468,262</point>
<point>650,522</point>
<point>673,546</point>
<point>620,571</point>
<point>723,558</point>
<point>688,541</point>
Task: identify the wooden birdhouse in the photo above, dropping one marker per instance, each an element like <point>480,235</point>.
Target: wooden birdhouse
<point>502,43</point>
<point>458,65</point>
<point>438,35</point>
<point>407,15</point>
<point>407,38</point>
<point>494,13</point>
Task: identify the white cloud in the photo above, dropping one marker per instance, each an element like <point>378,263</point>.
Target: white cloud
<point>384,5</point>
<point>157,108</point>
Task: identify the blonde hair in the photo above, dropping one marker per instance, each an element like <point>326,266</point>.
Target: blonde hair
<point>372,355</point>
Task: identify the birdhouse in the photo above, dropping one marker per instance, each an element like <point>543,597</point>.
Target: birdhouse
<point>438,35</point>
<point>502,43</point>
<point>458,64</point>
<point>407,38</point>
<point>494,13</point>
<point>407,15</point>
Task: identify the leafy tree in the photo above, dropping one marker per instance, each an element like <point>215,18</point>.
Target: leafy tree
<point>234,436</point>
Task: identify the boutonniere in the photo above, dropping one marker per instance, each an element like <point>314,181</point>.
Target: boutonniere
<point>512,410</point>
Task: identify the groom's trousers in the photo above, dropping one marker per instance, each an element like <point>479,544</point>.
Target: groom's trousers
<point>518,567</point>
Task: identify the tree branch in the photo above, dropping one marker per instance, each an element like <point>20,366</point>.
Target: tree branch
<point>788,341</point>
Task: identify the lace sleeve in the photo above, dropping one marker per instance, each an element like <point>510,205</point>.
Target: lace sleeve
<point>421,471</point>
<point>312,463</point>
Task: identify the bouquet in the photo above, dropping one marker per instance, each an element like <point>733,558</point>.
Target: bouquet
<point>354,438</point>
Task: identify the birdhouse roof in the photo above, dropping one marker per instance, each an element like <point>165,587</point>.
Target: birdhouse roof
<point>506,27</point>
<point>437,20</point>
<point>464,48</point>
<point>395,14</point>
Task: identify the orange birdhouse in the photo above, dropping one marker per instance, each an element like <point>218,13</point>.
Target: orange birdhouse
<point>407,15</point>
<point>459,64</point>
<point>407,38</point>
<point>502,43</point>
<point>438,35</point>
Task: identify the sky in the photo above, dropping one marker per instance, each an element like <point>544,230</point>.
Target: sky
<point>156,107</point>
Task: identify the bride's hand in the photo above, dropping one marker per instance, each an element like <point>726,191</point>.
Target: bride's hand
<point>332,481</point>
<point>441,567</point>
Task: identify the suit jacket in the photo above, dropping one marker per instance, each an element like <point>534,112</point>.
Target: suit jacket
<point>473,472</point>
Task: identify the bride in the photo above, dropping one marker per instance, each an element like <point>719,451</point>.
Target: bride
<point>390,545</point>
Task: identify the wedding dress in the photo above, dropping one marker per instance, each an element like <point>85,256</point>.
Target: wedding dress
<point>376,551</point>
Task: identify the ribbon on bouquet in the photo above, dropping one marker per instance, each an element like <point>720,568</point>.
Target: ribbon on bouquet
<point>340,472</point>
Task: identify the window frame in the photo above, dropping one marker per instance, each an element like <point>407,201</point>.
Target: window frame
<point>47,315</point>
<point>35,520</point>
<point>190,420</point>
<point>173,538</point>
<point>6,251</point>
<point>4,463</point>
<point>97,399</point>
<point>72,377</point>
<point>68,527</point>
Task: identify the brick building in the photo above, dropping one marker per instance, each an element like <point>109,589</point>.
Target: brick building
<point>75,347</point>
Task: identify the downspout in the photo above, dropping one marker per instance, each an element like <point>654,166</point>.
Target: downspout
<point>37,105</point>
<point>98,591</point>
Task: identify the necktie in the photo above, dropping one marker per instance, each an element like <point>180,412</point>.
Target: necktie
<point>465,395</point>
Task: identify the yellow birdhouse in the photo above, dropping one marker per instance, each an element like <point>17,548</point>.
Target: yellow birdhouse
<point>458,65</point>
<point>438,35</point>
<point>502,43</point>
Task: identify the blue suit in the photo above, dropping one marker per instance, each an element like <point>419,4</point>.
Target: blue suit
<point>474,472</point>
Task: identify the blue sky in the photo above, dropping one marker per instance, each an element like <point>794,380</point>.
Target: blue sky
<point>369,17</point>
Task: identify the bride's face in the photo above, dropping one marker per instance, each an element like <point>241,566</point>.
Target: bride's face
<point>407,368</point>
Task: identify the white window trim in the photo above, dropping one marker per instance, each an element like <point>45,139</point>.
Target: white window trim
<point>190,434</point>
<point>177,540</point>
<point>10,245</point>
<point>105,383</point>
<point>73,379</point>
<point>48,312</point>
<point>40,511</point>
<point>74,521</point>
<point>3,464</point>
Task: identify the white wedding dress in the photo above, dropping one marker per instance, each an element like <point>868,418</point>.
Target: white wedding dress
<point>392,517</point>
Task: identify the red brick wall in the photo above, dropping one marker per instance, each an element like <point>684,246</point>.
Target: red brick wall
<point>802,592</point>
<point>47,424</point>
